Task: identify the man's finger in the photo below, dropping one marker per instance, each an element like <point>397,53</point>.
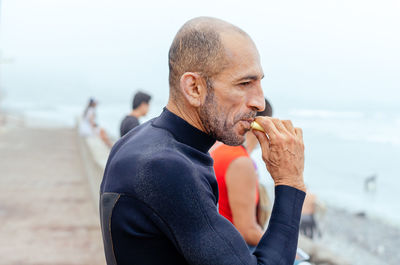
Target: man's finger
<point>268,125</point>
<point>264,142</point>
<point>289,126</point>
<point>279,125</point>
<point>299,132</point>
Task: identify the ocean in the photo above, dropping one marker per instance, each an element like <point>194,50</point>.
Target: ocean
<point>343,148</point>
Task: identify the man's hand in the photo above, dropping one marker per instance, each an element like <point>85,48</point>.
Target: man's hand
<point>282,151</point>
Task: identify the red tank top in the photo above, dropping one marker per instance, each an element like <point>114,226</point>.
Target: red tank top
<point>223,156</point>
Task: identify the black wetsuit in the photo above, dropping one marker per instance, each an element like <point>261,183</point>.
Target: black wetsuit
<point>159,197</point>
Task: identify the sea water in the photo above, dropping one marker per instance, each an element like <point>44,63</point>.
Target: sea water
<point>342,149</point>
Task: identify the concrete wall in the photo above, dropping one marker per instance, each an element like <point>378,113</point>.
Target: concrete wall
<point>94,157</point>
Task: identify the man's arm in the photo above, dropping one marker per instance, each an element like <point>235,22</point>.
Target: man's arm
<point>184,202</point>
<point>241,183</point>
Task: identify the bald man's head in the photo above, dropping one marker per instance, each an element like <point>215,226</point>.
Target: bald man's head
<point>198,47</point>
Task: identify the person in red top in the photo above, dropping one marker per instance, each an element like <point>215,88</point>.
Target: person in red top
<point>238,184</point>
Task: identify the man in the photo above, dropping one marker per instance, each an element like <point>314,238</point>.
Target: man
<point>140,107</point>
<point>159,194</point>
<point>238,185</point>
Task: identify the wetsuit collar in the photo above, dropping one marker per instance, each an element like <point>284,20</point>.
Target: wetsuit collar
<point>183,131</point>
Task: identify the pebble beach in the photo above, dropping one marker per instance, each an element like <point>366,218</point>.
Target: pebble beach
<point>359,238</point>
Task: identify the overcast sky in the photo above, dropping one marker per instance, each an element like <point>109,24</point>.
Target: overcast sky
<point>312,51</point>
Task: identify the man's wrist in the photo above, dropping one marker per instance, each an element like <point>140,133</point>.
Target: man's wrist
<point>288,204</point>
<point>299,186</point>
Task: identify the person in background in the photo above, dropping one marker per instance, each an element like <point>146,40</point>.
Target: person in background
<point>88,124</point>
<point>237,179</point>
<point>89,127</point>
<point>308,225</point>
<point>140,107</point>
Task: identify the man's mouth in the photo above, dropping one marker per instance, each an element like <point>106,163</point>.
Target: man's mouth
<point>246,124</point>
<point>246,121</point>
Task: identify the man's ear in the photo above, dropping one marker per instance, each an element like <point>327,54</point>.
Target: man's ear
<point>193,88</point>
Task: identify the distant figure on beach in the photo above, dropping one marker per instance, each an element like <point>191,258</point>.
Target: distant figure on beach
<point>370,183</point>
<point>89,127</point>
<point>140,107</point>
<point>238,185</point>
<point>308,224</point>
<point>159,194</point>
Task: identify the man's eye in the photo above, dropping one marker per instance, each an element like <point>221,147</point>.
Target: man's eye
<point>245,83</point>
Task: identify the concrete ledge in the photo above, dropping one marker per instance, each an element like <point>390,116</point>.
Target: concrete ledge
<point>94,155</point>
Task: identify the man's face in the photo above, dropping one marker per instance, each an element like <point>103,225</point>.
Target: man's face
<point>145,108</point>
<point>235,94</point>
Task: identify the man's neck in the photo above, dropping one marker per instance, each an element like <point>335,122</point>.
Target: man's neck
<point>135,113</point>
<point>187,113</point>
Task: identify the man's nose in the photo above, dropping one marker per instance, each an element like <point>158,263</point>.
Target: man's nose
<point>256,99</point>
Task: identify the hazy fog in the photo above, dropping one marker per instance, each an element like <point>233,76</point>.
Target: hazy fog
<point>314,53</point>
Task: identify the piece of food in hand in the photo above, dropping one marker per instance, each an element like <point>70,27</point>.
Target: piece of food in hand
<point>255,126</point>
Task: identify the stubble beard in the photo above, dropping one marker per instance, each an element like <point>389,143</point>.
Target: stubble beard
<point>214,121</point>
